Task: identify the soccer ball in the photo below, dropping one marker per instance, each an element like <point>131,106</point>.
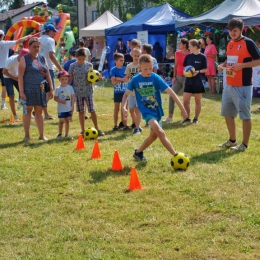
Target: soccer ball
<point>188,71</point>
<point>93,76</point>
<point>180,161</point>
<point>91,133</point>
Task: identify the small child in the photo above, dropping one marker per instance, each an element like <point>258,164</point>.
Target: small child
<point>148,87</point>
<point>64,95</point>
<point>83,89</point>
<point>120,82</point>
<point>131,70</point>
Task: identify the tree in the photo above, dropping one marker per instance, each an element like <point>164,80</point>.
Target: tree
<point>15,4</point>
<point>8,24</point>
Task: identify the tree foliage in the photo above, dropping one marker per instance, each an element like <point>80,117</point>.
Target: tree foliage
<point>15,4</point>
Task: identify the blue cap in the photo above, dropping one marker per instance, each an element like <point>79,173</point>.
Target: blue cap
<point>50,27</point>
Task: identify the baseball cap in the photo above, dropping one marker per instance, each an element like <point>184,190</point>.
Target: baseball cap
<point>63,73</point>
<point>50,27</point>
<point>2,32</point>
<point>23,51</point>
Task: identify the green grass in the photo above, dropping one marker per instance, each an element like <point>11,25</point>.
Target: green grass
<point>57,203</point>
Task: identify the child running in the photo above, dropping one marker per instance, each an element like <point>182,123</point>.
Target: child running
<point>83,89</point>
<point>148,87</point>
<point>64,96</point>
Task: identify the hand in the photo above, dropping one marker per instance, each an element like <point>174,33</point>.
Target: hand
<point>22,96</point>
<point>174,80</point>
<point>63,102</point>
<point>237,66</point>
<point>125,112</point>
<point>195,73</point>
<point>50,94</point>
<point>184,113</point>
<point>100,78</point>
<point>221,67</point>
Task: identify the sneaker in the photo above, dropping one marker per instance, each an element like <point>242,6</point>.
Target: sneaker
<point>59,136</point>
<point>100,133</point>
<point>168,119</point>
<point>49,117</point>
<point>68,137</point>
<point>121,125</point>
<point>43,138</point>
<point>239,148</point>
<point>187,120</point>
<point>136,131</point>
<point>115,128</point>
<point>140,129</point>
<point>87,117</point>
<point>133,125</point>
<point>146,125</point>
<point>139,156</point>
<point>228,144</point>
<point>16,118</point>
<point>32,117</point>
<point>195,120</point>
<point>4,108</point>
<point>126,128</point>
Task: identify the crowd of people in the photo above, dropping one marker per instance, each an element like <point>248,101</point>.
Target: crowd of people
<point>137,86</point>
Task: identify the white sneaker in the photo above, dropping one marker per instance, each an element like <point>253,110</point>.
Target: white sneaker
<point>4,108</point>
<point>228,144</point>
<point>239,148</point>
<point>168,119</point>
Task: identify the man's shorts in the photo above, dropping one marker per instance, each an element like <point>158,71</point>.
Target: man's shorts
<point>9,83</point>
<point>237,100</point>
<point>149,117</point>
<point>80,104</point>
<point>64,114</point>
<point>118,97</point>
<point>131,102</point>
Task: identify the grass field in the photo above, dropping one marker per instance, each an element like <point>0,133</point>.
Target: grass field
<point>57,203</point>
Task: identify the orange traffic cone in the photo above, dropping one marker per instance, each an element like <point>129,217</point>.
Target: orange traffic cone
<point>12,118</point>
<point>80,144</point>
<point>116,164</point>
<point>96,152</point>
<point>134,181</point>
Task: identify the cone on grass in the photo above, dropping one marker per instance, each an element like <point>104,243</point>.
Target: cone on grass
<point>80,144</point>
<point>116,164</point>
<point>96,152</point>
<point>134,181</point>
<point>12,118</point>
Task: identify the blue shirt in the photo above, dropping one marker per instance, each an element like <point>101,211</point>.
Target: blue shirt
<point>119,73</point>
<point>66,66</point>
<point>148,94</point>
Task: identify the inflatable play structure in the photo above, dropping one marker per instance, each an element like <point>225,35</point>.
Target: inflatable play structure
<point>35,25</point>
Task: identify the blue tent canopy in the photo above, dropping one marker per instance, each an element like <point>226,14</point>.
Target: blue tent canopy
<point>155,20</point>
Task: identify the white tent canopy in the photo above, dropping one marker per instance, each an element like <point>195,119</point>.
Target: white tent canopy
<point>97,28</point>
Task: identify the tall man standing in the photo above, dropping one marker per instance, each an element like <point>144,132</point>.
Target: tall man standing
<point>242,55</point>
<point>48,51</point>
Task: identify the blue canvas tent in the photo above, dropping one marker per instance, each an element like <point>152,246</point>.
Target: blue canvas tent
<point>158,21</point>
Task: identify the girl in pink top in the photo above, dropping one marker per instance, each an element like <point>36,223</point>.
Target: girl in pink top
<point>178,79</point>
<point>211,53</point>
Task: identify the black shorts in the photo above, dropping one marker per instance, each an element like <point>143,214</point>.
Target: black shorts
<point>194,89</point>
<point>118,97</point>
<point>2,77</point>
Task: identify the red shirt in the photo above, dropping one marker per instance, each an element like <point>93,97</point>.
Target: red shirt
<point>180,59</point>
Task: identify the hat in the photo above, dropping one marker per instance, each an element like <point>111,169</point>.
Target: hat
<point>2,32</point>
<point>50,27</point>
<point>63,73</point>
<point>23,51</point>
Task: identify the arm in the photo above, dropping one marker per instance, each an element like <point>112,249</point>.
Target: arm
<point>54,60</point>
<point>250,64</point>
<point>6,73</point>
<point>72,101</point>
<point>48,78</point>
<point>23,39</point>
<point>56,98</point>
<point>21,70</point>
<point>117,80</point>
<point>175,68</point>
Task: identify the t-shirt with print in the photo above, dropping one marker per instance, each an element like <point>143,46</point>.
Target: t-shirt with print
<point>64,93</point>
<point>47,46</point>
<point>148,94</point>
<point>12,66</point>
<point>132,70</point>
<point>82,87</point>
<point>4,51</point>
<point>119,73</point>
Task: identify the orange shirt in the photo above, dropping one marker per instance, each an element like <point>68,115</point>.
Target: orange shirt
<point>241,51</point>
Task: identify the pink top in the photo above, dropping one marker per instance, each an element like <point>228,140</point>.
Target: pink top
<point>211,68</point>
<point>180,59</point>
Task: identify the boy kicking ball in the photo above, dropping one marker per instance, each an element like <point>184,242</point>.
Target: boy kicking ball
<point>148,87</point>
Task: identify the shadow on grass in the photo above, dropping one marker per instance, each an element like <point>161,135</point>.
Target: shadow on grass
<point>9,145</point>
<point>37,143</point>
<point>110,135</point>
<point>10,125</point>
<point>212,157</point>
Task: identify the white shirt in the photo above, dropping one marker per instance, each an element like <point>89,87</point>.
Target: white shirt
<point>47,46</point>
<point>256,76</point>
<point>12,65</point>
<point>64,93</point>
<point>4,51</point>
<point>88,53</point>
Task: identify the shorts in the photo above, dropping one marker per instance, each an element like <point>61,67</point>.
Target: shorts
<point>194,89</point>
<point>80,104</point>
<point>131,102</point>
<point>118,97</point>
<point>9,83</point>
<point>64,114</point>
<point>2,77</point>
<point>237,100</point>
<point>149,117</point>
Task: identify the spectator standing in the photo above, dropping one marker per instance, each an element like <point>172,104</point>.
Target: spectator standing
<point>120,47</point>
<point>158,52</point>
<point>88,53</point>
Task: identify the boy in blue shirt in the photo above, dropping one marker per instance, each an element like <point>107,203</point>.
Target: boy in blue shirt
<point>148,87</point>
<point>120,83</point>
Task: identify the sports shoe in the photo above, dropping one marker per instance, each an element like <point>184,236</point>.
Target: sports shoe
<point>59,136</point>
<point>49,117</point>
<point>239,148</point>
<point>115,128</point>
<point>228,144</point>
<point>139,156</point>
<point>121,125</point>
<point>140,129</point>
<point>187,120</point>
<point>43,138</point>
<point>133,125</point>
<point>126,128</point>
<point>100,133</point>
<point>16,118</point>
<point>195,120</point>
<point>136,131</point>
<point>68,137</point>
<point>4,108</point>
<point>168,119</point>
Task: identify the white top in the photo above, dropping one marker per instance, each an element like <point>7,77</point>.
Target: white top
<point>4,51</point>
<point>47,46</point>
<point>256,77</point>
<point>12,65</point>
<point>64,93</point>
<point>88,53</point>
